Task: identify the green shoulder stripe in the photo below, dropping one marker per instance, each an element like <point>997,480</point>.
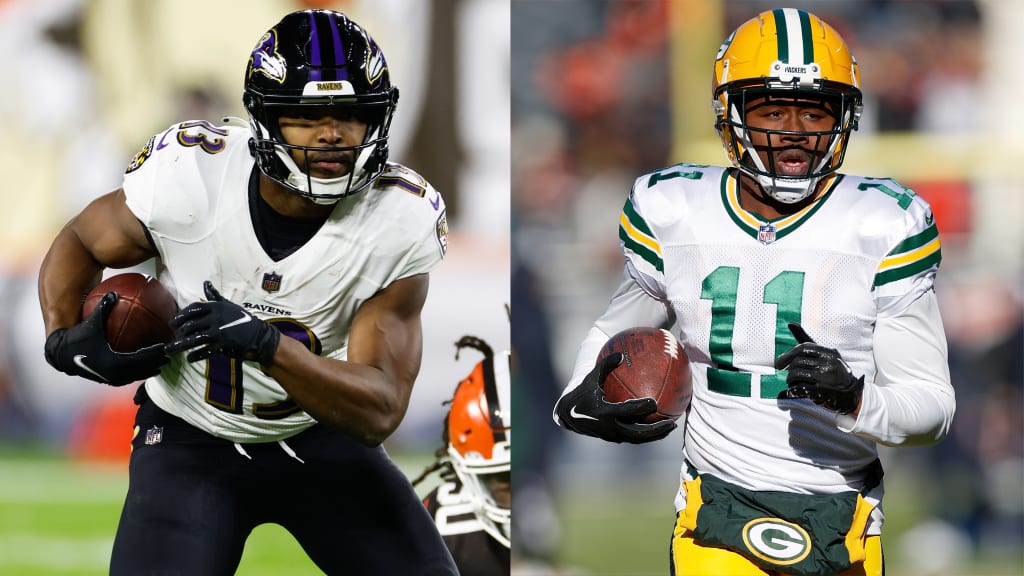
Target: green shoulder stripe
<point>637,236</point>
<point>894,274</point>
<point>646,253</point>
<point>636,220</point>
<point>915,241</point>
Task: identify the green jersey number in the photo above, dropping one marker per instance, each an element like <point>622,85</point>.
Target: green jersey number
<point>903,196</point>
<point>784,291</point>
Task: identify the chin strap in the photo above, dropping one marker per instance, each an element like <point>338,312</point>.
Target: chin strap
<point>785,190</point>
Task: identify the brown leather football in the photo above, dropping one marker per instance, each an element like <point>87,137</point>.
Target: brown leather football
<point>140,315</point>
<point>654,365</point>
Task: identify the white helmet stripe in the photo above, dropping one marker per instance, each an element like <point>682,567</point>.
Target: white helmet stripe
<point>794,32</point>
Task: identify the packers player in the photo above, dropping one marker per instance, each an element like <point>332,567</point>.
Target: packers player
<point>299,257</point>
<point>805,300</point>
<point>473,505</point>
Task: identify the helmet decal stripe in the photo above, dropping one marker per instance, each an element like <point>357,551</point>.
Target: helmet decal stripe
<point>782,33</point>
<point>794,36</point>
<point>493,405</point>
<point>805,35</point>
<point>340,70</point>
<point>314,42</point>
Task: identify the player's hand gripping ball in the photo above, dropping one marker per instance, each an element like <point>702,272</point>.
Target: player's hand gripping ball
<point>120,338</point>
<point>653,365</point>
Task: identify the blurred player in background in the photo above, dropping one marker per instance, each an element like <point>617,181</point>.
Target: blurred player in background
<point>805,301</point>
<point>472,507</point>
<point>295,224</point>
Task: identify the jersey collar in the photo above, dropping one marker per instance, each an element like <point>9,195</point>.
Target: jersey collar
<point>768,231</point>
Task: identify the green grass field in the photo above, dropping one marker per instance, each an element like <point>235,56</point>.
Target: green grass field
<point>59,517</point>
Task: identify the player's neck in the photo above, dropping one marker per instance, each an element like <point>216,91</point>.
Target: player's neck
<point>753,199</point>
<point>288,203</point>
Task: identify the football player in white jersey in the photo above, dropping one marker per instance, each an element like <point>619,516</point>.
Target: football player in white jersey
<point>299,257</point>
<point>473,505</point>
<point>804,299</point>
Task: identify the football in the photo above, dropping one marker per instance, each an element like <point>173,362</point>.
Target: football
<point>653,365</point>
<point>140,315</point>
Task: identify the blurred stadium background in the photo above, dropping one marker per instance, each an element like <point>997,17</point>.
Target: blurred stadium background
<point>604,90</point>
<point>86,84</point>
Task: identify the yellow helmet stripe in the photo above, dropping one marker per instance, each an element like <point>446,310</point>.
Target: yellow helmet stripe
<point>794,34</point>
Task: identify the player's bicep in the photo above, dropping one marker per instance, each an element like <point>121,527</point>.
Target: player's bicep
<point>387,333</point>
<point>111,233</point>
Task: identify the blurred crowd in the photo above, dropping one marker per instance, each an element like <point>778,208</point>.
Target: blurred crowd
<point>92,80</point>
<point>596,101</point>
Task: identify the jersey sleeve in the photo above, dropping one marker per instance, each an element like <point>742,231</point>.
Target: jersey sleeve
<point>143,175</point>
<point>433,246</point>
<point>423,214</point>
<point>908,270</point>
<point>911,401</point>
<point>640,245</point>
<point>172,183</point>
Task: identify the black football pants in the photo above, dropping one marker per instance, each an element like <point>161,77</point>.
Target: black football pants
<point>193,499</point>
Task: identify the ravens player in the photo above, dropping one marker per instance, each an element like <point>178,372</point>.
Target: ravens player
<point>299,257</point>
<point>472,507</point>
<point>805,301</point>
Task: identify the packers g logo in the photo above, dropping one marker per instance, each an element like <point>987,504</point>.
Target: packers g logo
<point>776,541</point>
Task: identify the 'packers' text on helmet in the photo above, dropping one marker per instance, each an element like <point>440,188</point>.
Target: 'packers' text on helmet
<point>791,54</point>
<point>310,60</point>
<point>479,430</point>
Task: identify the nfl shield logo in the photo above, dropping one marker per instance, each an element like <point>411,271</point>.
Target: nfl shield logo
<point>271,282</point>
<point>154,435</point>
<point>766,233</point>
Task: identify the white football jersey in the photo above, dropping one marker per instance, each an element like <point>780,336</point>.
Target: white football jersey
<point>866,250</point>
<point>453,510</point>
<point>190,187</point>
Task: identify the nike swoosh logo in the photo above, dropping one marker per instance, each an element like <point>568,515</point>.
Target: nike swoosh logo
<point>245,318</point>
<point>162,143</point>
<point>436,201</point>
<point>575,414</point>
<point>78,362</point>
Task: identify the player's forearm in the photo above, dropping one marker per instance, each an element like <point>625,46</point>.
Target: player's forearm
<point>908,416</point>
<point>911,402</point>
<point>358,399</point>
<point>67,273</point>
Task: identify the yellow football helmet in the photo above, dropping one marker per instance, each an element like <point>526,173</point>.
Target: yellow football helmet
<point>785,52</point>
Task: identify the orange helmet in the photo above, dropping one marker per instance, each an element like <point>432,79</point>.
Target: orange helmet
<point>785,52</point>
<point>480,438</point>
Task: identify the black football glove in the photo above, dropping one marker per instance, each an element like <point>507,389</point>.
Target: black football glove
<point>220,326</point>
<point>819,373</point>
<point>82,350</point>
<point>585,411</point>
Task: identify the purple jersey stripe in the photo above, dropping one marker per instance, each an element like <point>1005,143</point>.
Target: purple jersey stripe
<point>314,70</point>
<point>340,70</point>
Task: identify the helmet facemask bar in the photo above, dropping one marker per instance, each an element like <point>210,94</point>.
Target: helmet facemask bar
<point>273,155</point>
<point>836,100</point>
<point>494,517</point>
